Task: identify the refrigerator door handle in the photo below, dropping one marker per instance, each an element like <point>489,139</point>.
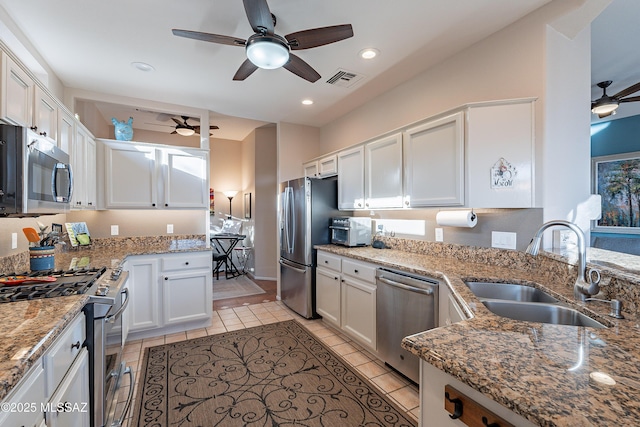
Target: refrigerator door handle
<point>286,264</point>
<point>288,218</point>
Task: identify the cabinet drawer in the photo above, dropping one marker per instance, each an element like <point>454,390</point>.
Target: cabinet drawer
<point>186,262</point>
<point>63,352</point>
<point>329,261</point>
<point>362,271</point>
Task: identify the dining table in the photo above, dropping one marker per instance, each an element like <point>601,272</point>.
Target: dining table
<point>224,243</point>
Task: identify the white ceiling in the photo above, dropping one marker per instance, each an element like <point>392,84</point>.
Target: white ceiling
<point>90,46</point>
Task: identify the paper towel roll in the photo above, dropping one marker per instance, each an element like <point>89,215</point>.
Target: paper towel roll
<point>457,219</point>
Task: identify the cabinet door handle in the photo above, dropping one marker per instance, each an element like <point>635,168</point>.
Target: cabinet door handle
<point>166,278</point>
<point>186,263</point>
<point>76,345</point>
<point>153,204</point>
<point>355,271</point>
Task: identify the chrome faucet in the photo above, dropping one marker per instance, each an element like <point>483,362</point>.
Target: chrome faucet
<point>584,286</point>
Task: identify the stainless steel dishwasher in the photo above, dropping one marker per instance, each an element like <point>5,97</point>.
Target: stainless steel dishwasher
<point>406,304</point>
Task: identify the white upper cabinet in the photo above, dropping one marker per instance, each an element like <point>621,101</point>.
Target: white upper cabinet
<point>66,130</point>
<point>328,166</point>
<point>383,172</point>
<point>351,179</point>
<point>16,93</point>
<point>45,114</point>
<point>186,178</point>
<point>83,162</point>
<point>130,176</point>
<point>322,168</point>
<point>311,169</point>
<point>500,144</point>
<point>143,176</point>
<point>434,162</point>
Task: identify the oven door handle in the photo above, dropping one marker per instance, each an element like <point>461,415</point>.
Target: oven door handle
<point>114,316</point>
<point>132,380</point>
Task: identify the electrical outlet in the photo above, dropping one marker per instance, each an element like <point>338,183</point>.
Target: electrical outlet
<point>14,240</point>
<point>115,230</point>
<point>169,228</point>
<point>439,235</point>
<point>503,240</point>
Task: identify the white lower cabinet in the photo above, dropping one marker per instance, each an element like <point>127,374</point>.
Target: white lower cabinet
<point>55,390</point>
<point>359,310</point>
<point>25,401</point>
<point>432,412</point>
<point>69,406</point>
<point>346,296</point>
<point>169,292</point>
<point>328,295</point>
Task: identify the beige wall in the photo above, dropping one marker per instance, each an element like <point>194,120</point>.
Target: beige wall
<point>141,222</point>
<point>296,144</point>
<point>226,174</point>
<point>265,203</point>
<point>15,225</point>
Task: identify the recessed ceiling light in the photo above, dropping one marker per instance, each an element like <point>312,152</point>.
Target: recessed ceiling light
<point>142,66</point>
<point>369,53</point>
<point>307,101</point>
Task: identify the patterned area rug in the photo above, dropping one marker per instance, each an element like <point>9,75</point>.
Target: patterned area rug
<point>240,286</point>
<point>272,375</point>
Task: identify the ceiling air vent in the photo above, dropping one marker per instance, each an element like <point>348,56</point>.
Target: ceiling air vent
<point>345,78</point>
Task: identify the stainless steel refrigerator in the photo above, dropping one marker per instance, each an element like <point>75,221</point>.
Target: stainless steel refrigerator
<point>306,207</point>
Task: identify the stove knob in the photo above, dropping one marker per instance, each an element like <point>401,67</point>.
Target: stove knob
<point>102,291</point>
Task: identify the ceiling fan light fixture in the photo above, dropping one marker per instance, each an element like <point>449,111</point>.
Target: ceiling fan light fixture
<point>268,52</point>
<point>185,131</point>
<point>605,106</point>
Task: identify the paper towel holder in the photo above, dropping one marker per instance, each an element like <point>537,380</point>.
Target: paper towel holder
<point>473,215</point>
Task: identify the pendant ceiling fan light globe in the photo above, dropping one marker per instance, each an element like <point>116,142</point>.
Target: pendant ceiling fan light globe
<point>267,52</point>
<point>605,106</point>
<point>185,131</point>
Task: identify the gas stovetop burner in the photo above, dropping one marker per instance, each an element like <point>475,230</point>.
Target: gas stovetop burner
<point>69,282</point>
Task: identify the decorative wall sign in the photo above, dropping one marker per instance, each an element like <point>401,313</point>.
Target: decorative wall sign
<point>503,174</point>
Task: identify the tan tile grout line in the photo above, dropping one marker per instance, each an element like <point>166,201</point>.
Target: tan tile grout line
<point>383,378</point>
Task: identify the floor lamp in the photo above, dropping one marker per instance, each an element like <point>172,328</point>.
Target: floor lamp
<point>230,195</point>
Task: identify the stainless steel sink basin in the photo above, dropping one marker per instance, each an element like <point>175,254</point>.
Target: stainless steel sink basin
<point>540,312</point>
<point>509,291</point>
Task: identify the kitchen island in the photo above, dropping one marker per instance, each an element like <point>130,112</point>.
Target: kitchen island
<point>548,374</point>
<point>29,328</point>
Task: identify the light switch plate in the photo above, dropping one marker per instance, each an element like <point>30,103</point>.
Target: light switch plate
<point>503,240</point>
<point>14,240</point>
<point>169,228</point>
<point>115,230</point>
<point>439,235</point>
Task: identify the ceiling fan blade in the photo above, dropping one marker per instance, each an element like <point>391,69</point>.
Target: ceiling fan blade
<point>246,69</point>
<point>627,91</point>
<point>207,37</point>
<point>300,68</point>
<point>259,16</point>
<point>319,36</point>
<point>214,127</point>
<point>174,132</point>
<point>178,122</point>
<point>631,99</point>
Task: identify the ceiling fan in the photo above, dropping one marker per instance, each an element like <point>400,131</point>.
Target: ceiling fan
<point>266,49</point>
<point>606,105</point>
<point>185,129</point>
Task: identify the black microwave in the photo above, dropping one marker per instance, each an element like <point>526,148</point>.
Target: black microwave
<point>35,175</point>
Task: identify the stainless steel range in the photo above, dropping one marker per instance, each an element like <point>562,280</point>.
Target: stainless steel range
<point>108,299</point>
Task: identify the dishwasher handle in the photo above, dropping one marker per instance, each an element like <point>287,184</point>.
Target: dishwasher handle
<point>425,291</point>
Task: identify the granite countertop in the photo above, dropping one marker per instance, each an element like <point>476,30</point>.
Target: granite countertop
<point>29,328</point>
<point>550,374</point>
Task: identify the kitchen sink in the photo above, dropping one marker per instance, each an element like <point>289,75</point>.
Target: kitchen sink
<point>540,312</point>
<point>509,291</point>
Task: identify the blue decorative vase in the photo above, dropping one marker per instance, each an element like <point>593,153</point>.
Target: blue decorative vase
<point>123,131</point>
<point>41,258</point>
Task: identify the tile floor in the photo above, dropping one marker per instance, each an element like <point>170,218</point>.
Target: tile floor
<point>394,386</point>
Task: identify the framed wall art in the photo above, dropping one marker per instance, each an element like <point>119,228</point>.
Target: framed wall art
<point>616,178</point>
